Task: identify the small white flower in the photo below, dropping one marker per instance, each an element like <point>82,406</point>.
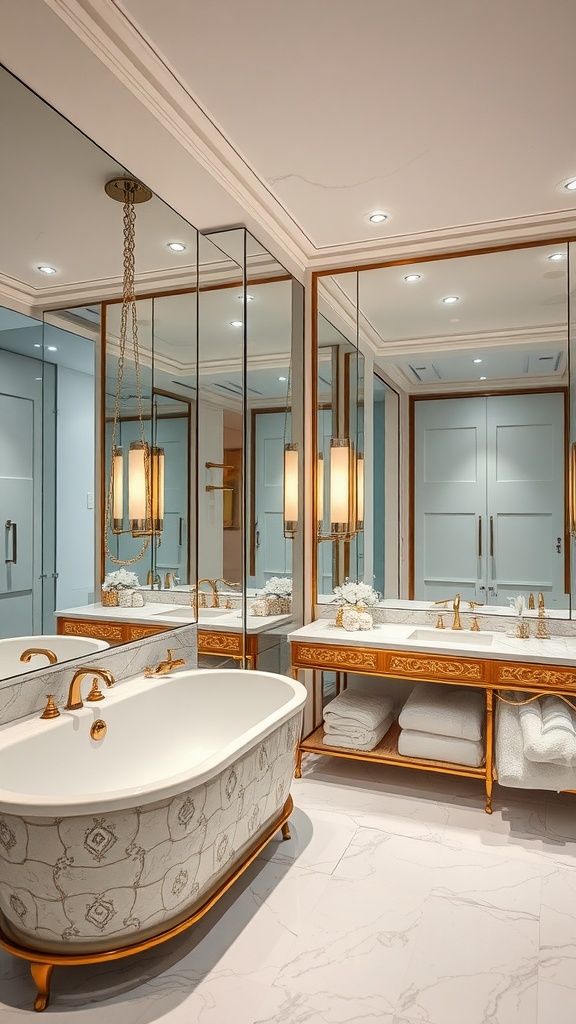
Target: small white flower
<point>519,603</point>
<point>278,586</point>
<point>361,594</point>
<point>121,579</point>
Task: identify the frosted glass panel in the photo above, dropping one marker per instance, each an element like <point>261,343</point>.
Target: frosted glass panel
<point>450,455</point>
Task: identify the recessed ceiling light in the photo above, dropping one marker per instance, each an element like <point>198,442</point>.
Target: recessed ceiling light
<point>52,348</point>
<point>44,269</point>
<point>557,256</point>
<point>37,378</point>
<point>281,378</point>
<point>177,246</point>
<point>482,378</point>
<point>412,277</point>
<point>37,345</point>
<point>568,185</point>
<point>236,323</point>
<point>450,299</point>
<point>249,298</point>
<point>477,360</point>
<point>377,216</point>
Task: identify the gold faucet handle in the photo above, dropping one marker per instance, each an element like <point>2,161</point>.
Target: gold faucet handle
<point>95,693</point>
<point>447,601</point>
<point>50,711</point>
<point>440,622</point>
<point>475,627</point>
<point>475,604</point>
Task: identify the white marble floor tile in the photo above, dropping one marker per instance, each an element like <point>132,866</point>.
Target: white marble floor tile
<point>317,843</point>
<point>558,939</point>
<point>472,963</point>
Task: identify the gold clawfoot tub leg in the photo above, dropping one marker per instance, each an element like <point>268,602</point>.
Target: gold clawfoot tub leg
<point>298,768</point>
<point>286,834</point>
<point>41,974</point>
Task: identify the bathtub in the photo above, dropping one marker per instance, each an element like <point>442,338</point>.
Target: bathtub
<point>106,843</point>
<point>64,647</point>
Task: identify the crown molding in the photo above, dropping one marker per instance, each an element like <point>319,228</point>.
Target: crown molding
<point>113,39</point>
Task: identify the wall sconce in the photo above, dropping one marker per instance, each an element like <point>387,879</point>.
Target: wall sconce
<point>145,489</point>
<point>320,491</point>
<point>290,489</point>
<point>342,488</point>
<point>359,492</point>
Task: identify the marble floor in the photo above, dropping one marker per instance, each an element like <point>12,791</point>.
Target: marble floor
<point>397,901</point>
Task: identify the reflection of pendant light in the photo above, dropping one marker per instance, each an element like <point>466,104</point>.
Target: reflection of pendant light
<point>360,491</point>
<point>145,464</point>
<point>290,489</point>
<point>320,491</point>
<point>342,487</point>
<point>290,479</point>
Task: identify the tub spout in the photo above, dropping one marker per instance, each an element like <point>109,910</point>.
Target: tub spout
<point>31,651</point>
<point>74,696</point>
<point>164,667</point>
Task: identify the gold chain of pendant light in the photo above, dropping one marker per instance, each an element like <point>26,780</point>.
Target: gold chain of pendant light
<point>132,191</point>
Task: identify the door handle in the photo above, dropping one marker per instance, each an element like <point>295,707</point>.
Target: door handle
<point>13,527</point>
<point>480,536</point>
<point>257,538</point>
<point>491,536</point>
<point>180,524</point>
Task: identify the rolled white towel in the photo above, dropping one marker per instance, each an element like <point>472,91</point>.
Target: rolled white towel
<point>514,769</point>
<point>360,708</point>
<point>434,708</point>
<point>371,737</point>
<point>549,731</point>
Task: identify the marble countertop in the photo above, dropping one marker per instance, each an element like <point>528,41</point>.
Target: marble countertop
<point>499,646</point>
<point>217,619</point>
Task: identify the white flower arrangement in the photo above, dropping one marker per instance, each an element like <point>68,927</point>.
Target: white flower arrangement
<point>121,579</point>
<point>519,604</point>
<point>360,594</point>
<point>278,586</point>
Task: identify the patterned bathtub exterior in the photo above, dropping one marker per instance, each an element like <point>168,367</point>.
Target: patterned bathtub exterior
<point>84,883</point>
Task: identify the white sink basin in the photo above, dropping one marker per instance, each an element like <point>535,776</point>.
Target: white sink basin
<point>452,636</point>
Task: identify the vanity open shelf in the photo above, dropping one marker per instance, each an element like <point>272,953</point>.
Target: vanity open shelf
<point>491,669</point>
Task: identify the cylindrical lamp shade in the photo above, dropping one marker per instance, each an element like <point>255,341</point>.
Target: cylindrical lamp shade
<point>341,487</point>
<point>320,490</point>
<point>290,489</point>
<point>117,490</point>
<point>138,459</point>
<point>360,491</point>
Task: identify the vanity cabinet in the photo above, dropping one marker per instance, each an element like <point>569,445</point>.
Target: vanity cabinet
<point>485,674</point>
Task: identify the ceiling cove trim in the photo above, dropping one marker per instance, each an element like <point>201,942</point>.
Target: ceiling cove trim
<point>112,38</point>
<point>537,228</point>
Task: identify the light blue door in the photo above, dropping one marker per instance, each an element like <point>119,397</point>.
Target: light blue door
<point>16,516</point>
<point>273,551</point>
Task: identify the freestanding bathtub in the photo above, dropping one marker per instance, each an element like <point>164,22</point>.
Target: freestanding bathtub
<point>107,844</point>
<point>63,647</point>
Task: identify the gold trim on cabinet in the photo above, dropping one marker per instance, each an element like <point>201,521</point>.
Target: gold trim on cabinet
<point>437,667</point>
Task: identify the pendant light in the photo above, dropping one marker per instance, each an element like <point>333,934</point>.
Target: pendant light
<point>342,488</point>
<point>145,491</point>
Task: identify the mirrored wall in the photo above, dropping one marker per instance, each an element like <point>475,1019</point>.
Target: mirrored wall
<point>473,350</point>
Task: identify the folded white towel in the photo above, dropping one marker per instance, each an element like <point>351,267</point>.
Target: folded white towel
<point>434,708</point>
<point>514,769</point>
<point>371,740</point>
<point>413,743</point>
<point>549,731</point>
<point>366,710</point>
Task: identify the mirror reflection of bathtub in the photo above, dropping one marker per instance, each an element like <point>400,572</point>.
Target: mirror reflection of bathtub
<point>43,651</point>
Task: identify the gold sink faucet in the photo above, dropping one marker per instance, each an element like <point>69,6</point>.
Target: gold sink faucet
<point>30,651</point>
<point>75,701</point>
<point>456,609</point>
<point>164,667</point>
<point>215,596</point>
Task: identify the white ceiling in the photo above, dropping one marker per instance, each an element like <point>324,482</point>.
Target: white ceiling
<point>296,120</point>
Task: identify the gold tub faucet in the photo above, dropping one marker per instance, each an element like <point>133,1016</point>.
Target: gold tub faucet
<point>164,667</point>
<point>456,609</point>
<point>215,596</point>
<point>30,651</point>
<point>75,701</point>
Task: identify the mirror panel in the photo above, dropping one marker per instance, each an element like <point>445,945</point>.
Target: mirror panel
<point>503,333</point>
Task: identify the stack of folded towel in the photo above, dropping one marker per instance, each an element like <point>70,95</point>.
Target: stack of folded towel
<point>536,745</point>
<point>442,724</point>
<point>357,719</point>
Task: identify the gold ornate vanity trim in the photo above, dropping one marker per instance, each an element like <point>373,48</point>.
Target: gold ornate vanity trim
<point>442,668</point>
